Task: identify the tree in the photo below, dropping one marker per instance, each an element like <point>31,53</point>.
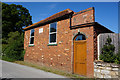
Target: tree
<point>14,48</point>
<point>107,54</point>
<point>14,17</point>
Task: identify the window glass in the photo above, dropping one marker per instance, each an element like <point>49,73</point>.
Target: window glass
<point>80,37</point>
<point>52,37</point>
<point>32,40</point>
<point>32,32</point>
<point>32,36</point>
<point>53,27</point>
<point>53,32</point>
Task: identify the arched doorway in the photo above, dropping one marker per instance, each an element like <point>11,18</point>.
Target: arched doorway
<point>80,54</point>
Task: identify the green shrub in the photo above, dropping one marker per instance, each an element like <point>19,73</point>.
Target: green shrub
<point>117,58</point>
<point>22,55</point>
<point>107,54</point>
<point>14,50</point>
<point>8,59</point>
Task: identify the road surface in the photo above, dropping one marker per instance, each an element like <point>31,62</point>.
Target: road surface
<point>13,70</point>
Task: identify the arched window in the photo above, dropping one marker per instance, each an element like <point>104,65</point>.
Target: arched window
<point>80,37</point>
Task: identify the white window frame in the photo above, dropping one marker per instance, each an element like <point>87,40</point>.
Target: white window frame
<point>31,36</point>
<point>53,33</point>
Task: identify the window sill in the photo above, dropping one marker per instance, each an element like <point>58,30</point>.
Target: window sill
<point>31,45</point>
<point>52,45</point>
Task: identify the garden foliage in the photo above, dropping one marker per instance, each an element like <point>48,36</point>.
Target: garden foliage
<point>14,49</point>
<point>14,18</point>
<point>108,54</point>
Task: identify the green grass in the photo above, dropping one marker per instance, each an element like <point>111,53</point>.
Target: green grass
<point>48,69</point>
<point>7,59</point>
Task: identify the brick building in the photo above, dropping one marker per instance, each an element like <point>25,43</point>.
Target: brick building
<point>66,40</point>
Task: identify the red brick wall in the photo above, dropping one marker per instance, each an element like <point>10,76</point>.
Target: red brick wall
<point>60,56</point>
<point>82,17</point>
<point>88,31</point>
<point>57,56</point>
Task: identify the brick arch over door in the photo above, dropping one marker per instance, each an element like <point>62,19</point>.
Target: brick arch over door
<point>80,33</point>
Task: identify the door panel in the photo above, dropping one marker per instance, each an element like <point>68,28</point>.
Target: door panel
<point>80,57</point>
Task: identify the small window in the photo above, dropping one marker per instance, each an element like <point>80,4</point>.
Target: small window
<point>80,37</point>
<point>32,37</point>
<point>53,33</point>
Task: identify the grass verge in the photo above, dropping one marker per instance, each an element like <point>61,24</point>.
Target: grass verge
<point>48,69</point>
<point>7,59</point>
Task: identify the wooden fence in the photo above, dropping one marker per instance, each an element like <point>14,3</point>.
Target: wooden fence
<point>102,40</point>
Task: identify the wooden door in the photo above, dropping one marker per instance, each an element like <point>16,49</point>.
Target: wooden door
<point>80,57</point>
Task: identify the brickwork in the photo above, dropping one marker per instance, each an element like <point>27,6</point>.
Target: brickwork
<point>82,17</point>
<point>88,31</point>
<point>56,56</point>
<point>60,56</point>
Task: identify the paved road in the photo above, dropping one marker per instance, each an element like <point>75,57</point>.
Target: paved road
<point>12,70</point>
